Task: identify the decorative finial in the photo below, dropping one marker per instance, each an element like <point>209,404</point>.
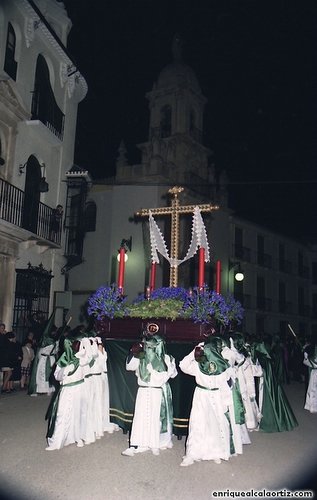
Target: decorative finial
<point>175,191</point>
<point>177,48</point>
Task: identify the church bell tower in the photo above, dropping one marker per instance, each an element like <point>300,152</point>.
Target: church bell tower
<point>174,152</point>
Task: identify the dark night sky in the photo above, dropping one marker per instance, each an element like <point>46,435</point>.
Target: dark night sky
<point>256,62</point>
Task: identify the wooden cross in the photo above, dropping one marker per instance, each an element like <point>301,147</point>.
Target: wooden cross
<point>175,210</point>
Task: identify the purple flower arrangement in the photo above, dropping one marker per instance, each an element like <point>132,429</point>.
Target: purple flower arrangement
<point>108,302</point>
<point>203,305</point>
<point>198,305</point>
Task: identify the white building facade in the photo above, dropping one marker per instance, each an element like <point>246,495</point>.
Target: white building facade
<point>40,89</point>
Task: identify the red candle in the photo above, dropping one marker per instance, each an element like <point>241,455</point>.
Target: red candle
<point>153,276</point>
<point>121,268</point>
<point>218,276</point>
<point>201,268</point>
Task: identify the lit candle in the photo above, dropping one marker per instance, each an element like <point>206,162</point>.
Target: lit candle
<point>201,268</point>
<point>121,268</point>
<point>218,276</point>
<point>153,276</point>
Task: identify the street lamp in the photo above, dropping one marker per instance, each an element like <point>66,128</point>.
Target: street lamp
<point>126,245</point>
<point>238,275</point>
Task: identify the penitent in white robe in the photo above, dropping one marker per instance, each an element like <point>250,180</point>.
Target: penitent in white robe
<point>44,354</point>
<point>107,426</point>
<point>245,372</point>
<point>146,425</point>
<point>311,395</point>
<point>211,419</point>
<point>248,393</point>
<point>69,412</point>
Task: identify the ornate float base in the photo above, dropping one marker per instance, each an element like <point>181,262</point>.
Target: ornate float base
<point>180,330</point>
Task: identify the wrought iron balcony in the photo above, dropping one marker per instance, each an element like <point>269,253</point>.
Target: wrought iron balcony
<point>39,220</point>
<point>48,113</point>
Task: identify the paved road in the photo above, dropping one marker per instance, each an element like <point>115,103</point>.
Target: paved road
<point>100,472</point>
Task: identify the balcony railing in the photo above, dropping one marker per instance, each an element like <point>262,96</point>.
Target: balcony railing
<point>12,210</point>
<point>49,114</point>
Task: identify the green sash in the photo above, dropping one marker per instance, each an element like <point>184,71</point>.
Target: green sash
<point>166,412</point>
<point>239,411</point>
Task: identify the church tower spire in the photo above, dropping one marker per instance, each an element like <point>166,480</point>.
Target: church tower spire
<point>174,152</point>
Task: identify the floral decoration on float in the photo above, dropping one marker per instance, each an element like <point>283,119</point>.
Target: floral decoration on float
<point>181,313</point>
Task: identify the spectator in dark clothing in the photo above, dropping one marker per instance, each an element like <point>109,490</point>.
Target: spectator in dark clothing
<point>56,222</point>
<point>17,355</point>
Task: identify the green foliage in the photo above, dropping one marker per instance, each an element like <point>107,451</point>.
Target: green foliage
<point>159,308</point>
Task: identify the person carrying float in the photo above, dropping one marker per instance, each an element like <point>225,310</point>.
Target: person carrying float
<point>214,432</point>
<point>153,413</point>
<point>246,371</point>
<point>65,413</point>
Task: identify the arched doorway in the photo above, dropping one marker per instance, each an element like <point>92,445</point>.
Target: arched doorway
<point>31,195</point>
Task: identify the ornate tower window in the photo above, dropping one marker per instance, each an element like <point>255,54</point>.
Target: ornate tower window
<point>166,121</point>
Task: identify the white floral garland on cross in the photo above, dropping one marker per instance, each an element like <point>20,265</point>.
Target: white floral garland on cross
<point>198,239</point>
